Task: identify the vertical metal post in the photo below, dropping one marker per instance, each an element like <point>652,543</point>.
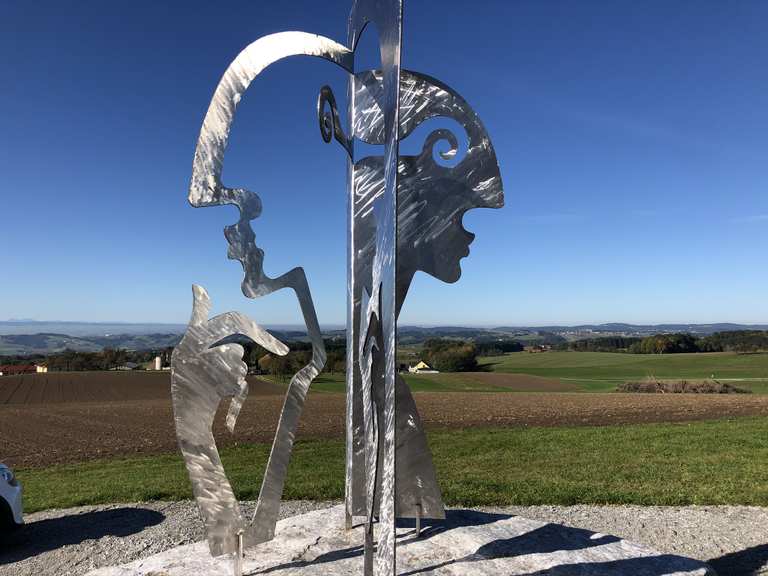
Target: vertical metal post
<point>239,554</point>
<point>418,519</point>
<point>352,337</point>
<point>386,15</point>
<point>368,551</point>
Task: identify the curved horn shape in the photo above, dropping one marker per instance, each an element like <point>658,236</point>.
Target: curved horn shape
<point>206,189</point>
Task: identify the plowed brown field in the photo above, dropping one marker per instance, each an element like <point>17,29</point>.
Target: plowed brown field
<point>58,387</point>
<point>131,414</point>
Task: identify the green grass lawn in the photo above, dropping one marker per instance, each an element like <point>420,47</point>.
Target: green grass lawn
<point>714,462</point>
<point>602,371</point>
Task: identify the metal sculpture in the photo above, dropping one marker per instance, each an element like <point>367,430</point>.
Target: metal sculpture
<point>404,215</point>
<point>206,370</point>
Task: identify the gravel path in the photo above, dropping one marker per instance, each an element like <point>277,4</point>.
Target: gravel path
<point>734,539</point>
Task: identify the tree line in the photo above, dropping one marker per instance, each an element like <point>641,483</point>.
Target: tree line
<point>450,355</point>
<point>496,347</point>
<point>679,343</point>
<point>106,359</point>
<point>262,361</point>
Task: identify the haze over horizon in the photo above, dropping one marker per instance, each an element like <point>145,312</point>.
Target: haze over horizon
<point>631,140</point>
<point>4,324</point>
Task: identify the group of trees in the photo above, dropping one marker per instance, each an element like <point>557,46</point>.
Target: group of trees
<point>680,343</point>
<point>491,347</point>
<point>450,355</point>
<point>735,341</point>
<point>666,344</point>
<point>262,361</point>
<point>106,359</point>
<point>603,344</point>
<point>283,367</point>
<point>21,359</point>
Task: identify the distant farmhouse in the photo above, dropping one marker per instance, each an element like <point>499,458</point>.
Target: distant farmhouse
<point>14,369</point>
<point>157,364</point>
<point>126,367</point>
<point>422,368</point>
<point>538,348</point>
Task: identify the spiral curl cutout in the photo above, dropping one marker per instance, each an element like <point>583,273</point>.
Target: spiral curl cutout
<point>330,124</point>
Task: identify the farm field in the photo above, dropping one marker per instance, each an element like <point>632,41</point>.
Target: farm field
<point>58,387</point>
<point>461,382</point>
<point>41,434</point>
<point>603,371</point>
<point>112,386</point>
<point>97,437</point>
<point>515,372</point>
<point>705,463</point>
<point>75,417</point>
<point>583,371</point>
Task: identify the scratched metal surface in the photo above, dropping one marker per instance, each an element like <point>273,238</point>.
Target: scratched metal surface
<point>380,313</point>
<point>432,199</point>
<point>431,241</point>
<point>203,373</point>
<point>404,215</point>
<point>207,189</point>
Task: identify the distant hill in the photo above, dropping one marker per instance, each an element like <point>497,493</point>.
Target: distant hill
<point>88,329</point>
<point>14,327</point>
<point>29,337</point>
<point>48,343</point>
<point>620,329</point>
<point>418,334</point>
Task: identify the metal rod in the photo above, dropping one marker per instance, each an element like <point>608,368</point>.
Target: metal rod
<point>368,550</point>
<point>239,554</point>
<point>418,520</point>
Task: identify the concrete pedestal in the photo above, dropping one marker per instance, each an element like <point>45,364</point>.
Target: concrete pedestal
<point>467,543</point>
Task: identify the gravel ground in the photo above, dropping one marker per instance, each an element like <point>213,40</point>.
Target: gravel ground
<point>733,539</point>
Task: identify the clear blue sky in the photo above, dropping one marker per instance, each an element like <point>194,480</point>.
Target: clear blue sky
<point>632,137</point>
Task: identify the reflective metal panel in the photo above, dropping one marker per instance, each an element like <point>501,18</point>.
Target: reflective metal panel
<point>203,373</point>
<point>404,214</point>
<point>206,189</point>
<point>387,16</point>
<point>432,199</point>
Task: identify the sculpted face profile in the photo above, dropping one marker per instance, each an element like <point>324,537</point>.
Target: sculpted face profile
<point>431,201</point>
<point>404,215</point>
<point>192,397</point>
<point>431,198</point>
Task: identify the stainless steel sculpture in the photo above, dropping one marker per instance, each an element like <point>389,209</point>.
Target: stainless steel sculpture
<point>404,215</point>
<point>206,189</point>
<point>205,372</point>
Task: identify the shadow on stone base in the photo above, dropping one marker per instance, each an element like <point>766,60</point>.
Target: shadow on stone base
<point>466,543</point>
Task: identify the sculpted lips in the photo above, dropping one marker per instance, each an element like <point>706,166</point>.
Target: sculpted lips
<point>470,239</point>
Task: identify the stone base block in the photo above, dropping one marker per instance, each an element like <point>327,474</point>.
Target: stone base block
<point>467,543</point>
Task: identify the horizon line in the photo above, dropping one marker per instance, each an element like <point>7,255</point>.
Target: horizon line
<point>404,324</point>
